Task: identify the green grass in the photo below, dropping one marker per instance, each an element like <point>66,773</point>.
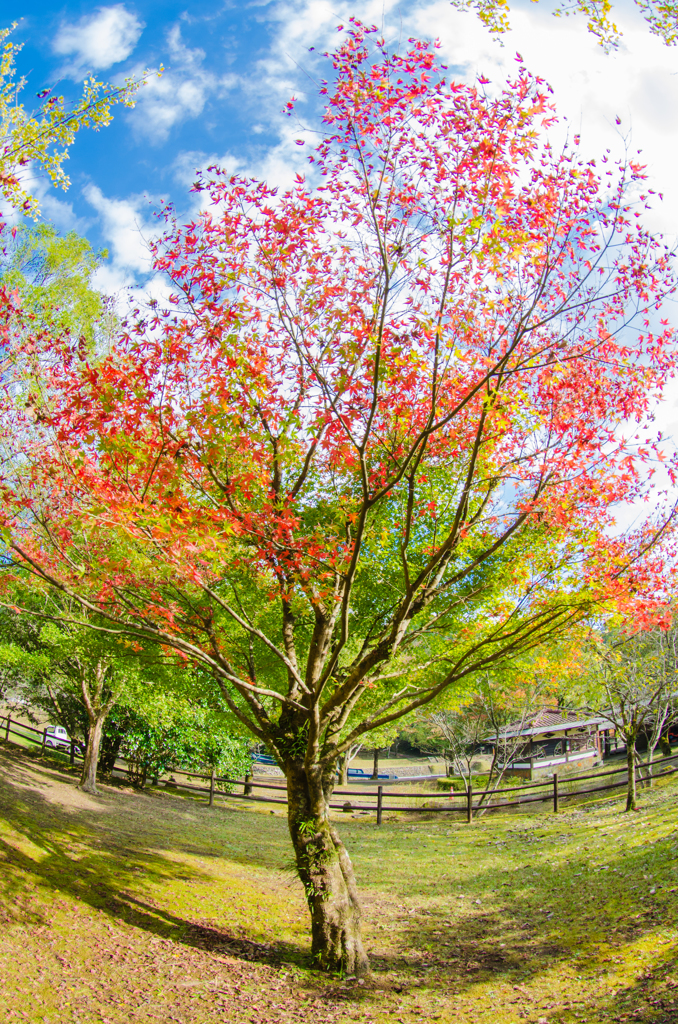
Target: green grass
<point>145,907</point>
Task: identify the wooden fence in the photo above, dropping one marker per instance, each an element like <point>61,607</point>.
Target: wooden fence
<point>552,790</point>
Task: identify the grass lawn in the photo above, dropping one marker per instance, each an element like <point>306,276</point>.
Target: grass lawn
<point>140,907</point>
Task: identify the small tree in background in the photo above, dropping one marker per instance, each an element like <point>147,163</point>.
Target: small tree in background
<point>634,683</point>
<point>344,761</point>
<point>493,713</point>
<point>381,739</point>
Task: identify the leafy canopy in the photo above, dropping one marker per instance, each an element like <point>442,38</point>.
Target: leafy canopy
<point>374,442</point>
<point>53,275</point>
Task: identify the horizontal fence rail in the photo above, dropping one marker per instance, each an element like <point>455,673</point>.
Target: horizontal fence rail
<point>466,801</point>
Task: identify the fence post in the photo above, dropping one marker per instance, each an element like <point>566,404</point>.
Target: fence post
<point>555,792</point>
<point>9,719</point>
<point>44,741</point>
<point>469,803</point>
<point>213,777</point>
<point>247,791</point>
<point>380,795</point>
<point>72,751</point>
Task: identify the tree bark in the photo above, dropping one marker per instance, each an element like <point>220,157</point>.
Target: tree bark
<point>631,770</point>
<point>326,872</point>
<point>342,765</point>
<point>88,779</point>
<point>98,708</point>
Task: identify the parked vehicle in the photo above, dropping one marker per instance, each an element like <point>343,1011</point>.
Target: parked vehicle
<point>263,759</point>
<point>56,736</point>
<point>358,773</point>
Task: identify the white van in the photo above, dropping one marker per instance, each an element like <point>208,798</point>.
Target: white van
<point>56,736</point>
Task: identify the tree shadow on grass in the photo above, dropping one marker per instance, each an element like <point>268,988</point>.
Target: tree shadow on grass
<point>159,818</point>
<point>573,916</point>
<point>54,850</point>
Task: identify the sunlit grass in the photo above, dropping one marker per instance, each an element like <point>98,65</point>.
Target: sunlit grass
<point>152,906</point>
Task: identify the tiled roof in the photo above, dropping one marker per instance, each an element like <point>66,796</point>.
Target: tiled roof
<point>548,720</point>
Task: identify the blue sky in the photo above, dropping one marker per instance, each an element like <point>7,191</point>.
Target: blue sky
<point>231,68</point>
<point>217,99</point>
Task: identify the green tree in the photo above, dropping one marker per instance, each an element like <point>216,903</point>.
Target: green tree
<point>74,674</point>
<point>77,681</point>
<point>45,136</point>
<point>52,273</point>
<point>633,681</point>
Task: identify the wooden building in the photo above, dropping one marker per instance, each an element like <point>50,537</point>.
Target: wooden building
<point>552,740</point>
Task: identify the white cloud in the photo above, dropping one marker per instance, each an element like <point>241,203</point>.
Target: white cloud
<point>127,226</point>
<point>127,233</point>
<point>180,93</point>
<point>98,40</point>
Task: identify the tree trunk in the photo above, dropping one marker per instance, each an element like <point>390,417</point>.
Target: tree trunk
<point>88,779</point>
<point>92,686</point>
<point>342,766</point>
<point>325,871</point>
<point>631,769</point>
<point>375,764</point>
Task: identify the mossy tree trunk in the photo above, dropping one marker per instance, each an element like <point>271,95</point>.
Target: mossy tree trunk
<point>631,797</point>
<point>98,698</point>
<point>88,778</point>
<point>325,870</point>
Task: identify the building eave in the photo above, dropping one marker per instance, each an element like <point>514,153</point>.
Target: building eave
<point>538,730</point>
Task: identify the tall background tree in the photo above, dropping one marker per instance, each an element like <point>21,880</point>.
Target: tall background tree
<point>52,273</point>
<point>117,698</point>
<point>371,445</point>
<point>633,681</point>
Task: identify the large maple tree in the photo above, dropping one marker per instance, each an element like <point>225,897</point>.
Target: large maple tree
<point>375,441</point>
